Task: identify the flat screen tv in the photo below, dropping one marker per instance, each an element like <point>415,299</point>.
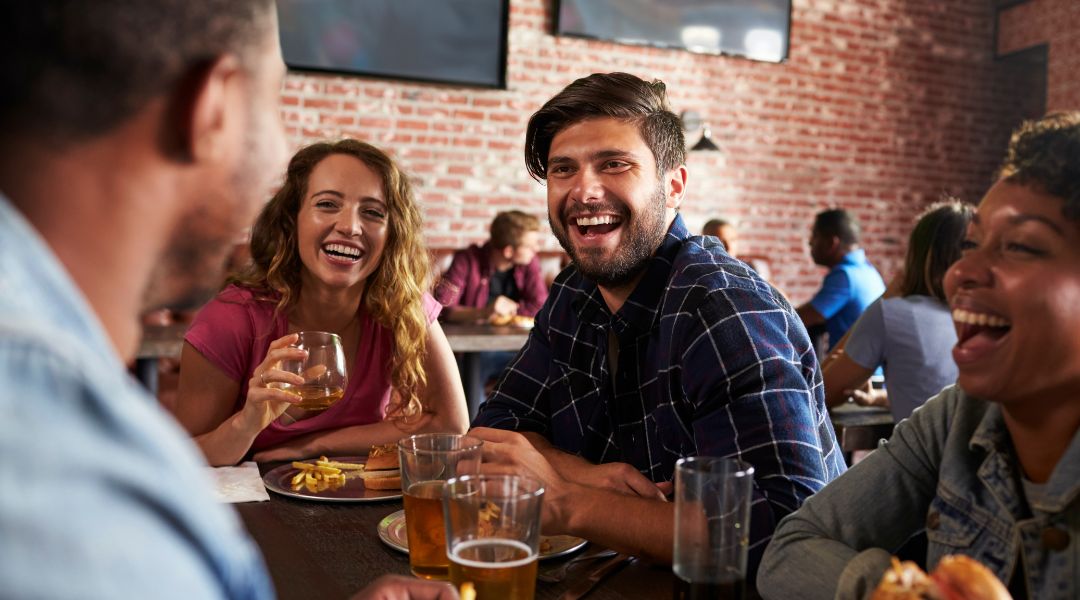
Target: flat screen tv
<point>756,29</point>
<point>445,41</point>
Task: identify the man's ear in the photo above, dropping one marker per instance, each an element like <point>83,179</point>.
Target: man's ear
<point>508,252</point>
<point>675,186</point>
<point>834,244</point>
<point>199,114</point>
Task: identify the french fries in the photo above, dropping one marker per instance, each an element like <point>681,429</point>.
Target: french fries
<point>321,476</point>
<point>468,591</point>
<point>325,474</point>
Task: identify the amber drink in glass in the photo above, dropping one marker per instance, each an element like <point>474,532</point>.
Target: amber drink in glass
<point>427,461</point>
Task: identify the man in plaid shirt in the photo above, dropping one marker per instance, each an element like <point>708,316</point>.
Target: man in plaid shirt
<point>654,345</point>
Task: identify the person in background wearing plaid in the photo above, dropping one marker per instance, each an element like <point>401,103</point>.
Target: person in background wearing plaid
<point>653,345</point>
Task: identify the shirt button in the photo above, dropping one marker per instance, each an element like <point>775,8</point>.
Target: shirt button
<point>933,520</point>
<point>1055,539</point>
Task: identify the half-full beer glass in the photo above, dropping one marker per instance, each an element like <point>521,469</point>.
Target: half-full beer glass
<point>427,461</point>
<point>493,534</point>
<point>712,528</point>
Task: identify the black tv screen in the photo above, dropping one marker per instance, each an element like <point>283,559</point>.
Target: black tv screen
<point>446,41</point>
<point>756,29</point>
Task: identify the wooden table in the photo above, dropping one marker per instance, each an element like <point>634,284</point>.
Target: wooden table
<point>467,341</point>
<point>331,550</point>
<point>861,427</point>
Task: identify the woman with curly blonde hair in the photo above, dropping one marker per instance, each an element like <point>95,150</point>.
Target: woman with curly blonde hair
<point>337,249</point>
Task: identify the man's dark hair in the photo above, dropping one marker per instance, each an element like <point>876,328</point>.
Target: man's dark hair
<point>714,225</point>
<point>508,227</point>
<point>838,222</point>
<point>71,69</point>
<point>1045,154</point>
<point>617,95</point>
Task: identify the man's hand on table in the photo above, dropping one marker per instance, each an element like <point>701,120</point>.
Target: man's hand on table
<point>508,452</point>
<point>589,511</point>
<point>399,587</point>
<point>504,307</point>
<point>617,477</point>
<point>623,478</point>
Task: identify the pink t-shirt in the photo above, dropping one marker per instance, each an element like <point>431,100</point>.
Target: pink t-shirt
<point>234,330</point>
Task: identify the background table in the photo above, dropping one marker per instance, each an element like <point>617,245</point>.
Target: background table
<point>467,341</point>
<point>861,427</point>
<point>158,341</point>
<point>331,550</point>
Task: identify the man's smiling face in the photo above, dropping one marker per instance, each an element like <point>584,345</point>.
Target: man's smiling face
<point>606,202</point>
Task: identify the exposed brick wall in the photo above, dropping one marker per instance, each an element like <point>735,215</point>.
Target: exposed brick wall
<point>881,107</point>
<point>1057,24</point>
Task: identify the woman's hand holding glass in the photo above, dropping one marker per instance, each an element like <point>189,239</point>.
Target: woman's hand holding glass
<point>265,403</point>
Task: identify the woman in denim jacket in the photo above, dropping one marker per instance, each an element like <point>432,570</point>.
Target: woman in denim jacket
<point>990,467</point>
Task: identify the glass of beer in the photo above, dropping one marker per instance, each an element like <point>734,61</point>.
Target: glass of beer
<point>493,534</point>
<point>323,370</point>
<point>712,528</point>
<point>427,461</point>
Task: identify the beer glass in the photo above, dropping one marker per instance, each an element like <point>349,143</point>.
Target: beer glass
<point>427,461</point>
<point>323,370</point>
<point>493,534</point>
<point>712,528</point>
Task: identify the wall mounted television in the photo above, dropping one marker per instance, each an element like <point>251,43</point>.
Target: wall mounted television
<point>756,29</point>
<point>443,41</point>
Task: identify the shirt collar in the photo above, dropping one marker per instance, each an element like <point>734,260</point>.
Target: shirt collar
<point>992,436</point>
<point>855,257</point>
<point>34,283</point>
<point>642,308</point>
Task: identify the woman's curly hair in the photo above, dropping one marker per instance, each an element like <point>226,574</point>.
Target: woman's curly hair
<point>394,292</point>
<point>1045,154</point>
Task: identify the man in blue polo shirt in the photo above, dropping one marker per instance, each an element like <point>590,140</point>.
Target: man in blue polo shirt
<point>852,282</point>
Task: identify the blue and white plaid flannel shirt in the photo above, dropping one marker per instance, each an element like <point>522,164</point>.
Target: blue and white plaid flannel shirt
<point>712,361</point>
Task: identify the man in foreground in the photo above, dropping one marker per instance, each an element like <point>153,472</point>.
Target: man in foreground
<point>654,345</point>
<point>138,139</point>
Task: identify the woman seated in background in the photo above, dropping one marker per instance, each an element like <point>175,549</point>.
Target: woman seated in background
<point>990,467</point>
<point>909,330</point>
<point>338,249</point>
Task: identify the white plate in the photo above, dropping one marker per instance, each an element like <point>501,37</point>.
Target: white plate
<point>278,480</point>
<point>392,533</point>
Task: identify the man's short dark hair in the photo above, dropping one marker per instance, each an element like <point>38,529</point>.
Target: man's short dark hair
<point>714,226</point>
<point>1045,154</point>
<point>508,227</point>
<point>617,95</point>
<point>70,69</point>
<point>838,222</point>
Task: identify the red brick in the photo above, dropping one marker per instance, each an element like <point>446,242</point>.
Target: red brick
<point>880,107</point>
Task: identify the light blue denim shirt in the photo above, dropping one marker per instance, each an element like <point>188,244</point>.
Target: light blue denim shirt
<point>948,469</point>
<point>101,494</point>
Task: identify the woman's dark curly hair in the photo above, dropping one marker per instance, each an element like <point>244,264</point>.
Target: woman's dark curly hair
<point>1045,154</point>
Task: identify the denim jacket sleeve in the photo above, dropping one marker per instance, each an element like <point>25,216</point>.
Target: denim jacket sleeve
<point>839,543</point>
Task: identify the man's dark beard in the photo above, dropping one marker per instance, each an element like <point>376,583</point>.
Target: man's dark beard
<point>640,241</point>
<point>184,282</point>
<point>195,262</point>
